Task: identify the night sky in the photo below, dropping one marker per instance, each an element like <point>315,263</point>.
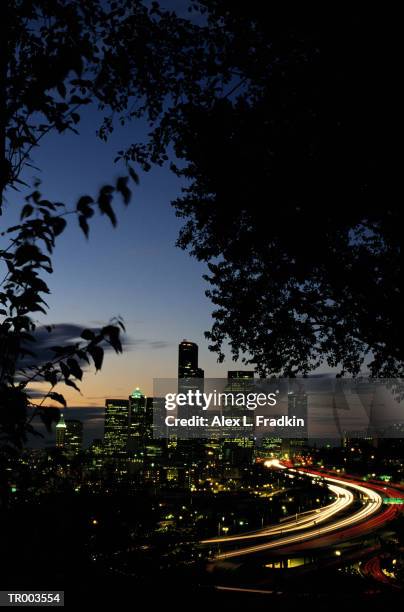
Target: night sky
<point>134,271</point>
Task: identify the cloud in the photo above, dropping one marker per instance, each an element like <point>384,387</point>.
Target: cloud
<point>152,344</point>
<point>159,344</point>
<point>64,334</point>
<point>60,334</point>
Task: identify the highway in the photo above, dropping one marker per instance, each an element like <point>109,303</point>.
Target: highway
<point>304,520</point>
<point>306,533</point>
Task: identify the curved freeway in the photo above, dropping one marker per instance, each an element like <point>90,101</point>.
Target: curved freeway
<point>307,533</point>
<point>344,499</point>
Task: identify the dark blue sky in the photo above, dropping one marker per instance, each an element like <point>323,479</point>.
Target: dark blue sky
<point>134,271</point>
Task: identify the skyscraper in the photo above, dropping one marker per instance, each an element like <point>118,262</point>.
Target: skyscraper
<point>190,378</point>
<point>73,437</point>
<point>143,452</point>
<point>297,407</point>
<point>60,432</point>
<point>238,382</point>
<point>139,420</point>
<point>188,360</point>
<point>116,427</point>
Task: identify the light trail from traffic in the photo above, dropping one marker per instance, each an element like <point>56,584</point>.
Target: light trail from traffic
<point>372,506</point>
<point>344,499</point>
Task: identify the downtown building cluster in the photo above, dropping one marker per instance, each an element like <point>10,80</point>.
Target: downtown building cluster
<point>130,456</point>
<point>131,451</point>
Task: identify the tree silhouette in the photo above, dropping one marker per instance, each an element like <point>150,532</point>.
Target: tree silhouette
<point>131,60</point>
<point>52,58</point>
<point>275,119</point>
<point>288,197</point>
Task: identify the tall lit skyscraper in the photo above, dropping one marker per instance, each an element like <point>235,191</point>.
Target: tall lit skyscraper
<point>188,367</point>
<point>61,432</point>
<point>297,407</point>
<point>139,420</point>
<point>73,437</point>
<point>143,452</point>
<point>190,378</point>
<point>116,427</point>
<point>239,381</point>
<point>188,360</point>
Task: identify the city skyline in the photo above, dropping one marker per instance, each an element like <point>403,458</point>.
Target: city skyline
<point>134,270</point>
<point>320,507</point>
<point>94,418</point>
<point>201,379</point>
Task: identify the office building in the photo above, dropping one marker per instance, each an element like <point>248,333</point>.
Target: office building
<point>238,445</point>
<point>140,420</point>
<point>190,378</point>
<point>60,432</point>
<point>73,437</point>
<point>239,380</point>
<point>297,441</point>
<point>188,360</point>
<point>116,427</point>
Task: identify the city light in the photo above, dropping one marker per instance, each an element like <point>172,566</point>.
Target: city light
<point>224,499</point>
